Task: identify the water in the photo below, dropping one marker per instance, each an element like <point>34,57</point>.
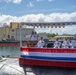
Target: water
<point>12,51</point>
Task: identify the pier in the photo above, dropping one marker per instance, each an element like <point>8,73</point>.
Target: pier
<point>10,66</point>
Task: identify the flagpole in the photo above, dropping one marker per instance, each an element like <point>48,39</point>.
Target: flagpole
<point>20,34</point>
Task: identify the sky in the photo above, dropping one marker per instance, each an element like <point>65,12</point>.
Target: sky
<point>39,11</point>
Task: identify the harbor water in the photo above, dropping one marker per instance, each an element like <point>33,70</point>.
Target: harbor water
<point>13,51</point>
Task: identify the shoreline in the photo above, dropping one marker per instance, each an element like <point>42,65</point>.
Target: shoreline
<point>11,43</point>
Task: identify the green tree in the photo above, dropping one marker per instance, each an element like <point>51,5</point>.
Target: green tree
<point>51,35</point>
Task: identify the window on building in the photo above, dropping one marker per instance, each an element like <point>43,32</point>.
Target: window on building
<point>12,30</point>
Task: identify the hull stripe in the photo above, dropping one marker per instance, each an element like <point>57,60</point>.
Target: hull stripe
<point>49,58</point>
<point>42,54</point>
<point>52,50</point>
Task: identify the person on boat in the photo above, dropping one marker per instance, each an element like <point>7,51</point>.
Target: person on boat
<point>57,44</point>
<point>74,43</point>
<point>41,43</point>
<point>34,36</point>
<point>66,43</point>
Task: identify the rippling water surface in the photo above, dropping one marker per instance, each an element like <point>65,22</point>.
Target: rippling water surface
<point>12,51</point>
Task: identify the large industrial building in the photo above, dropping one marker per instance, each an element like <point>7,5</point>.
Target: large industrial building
<point>12,32</point>
<point>4,32</point>
<point>15,33</point>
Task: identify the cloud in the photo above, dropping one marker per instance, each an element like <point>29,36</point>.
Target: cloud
<point>66,30</point>
<point>53,17</point>
<point>30,4</point>
<point>14,1</point>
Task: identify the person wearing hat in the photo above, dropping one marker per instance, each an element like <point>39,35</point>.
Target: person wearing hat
<point>74,43</point>
<point>57,44</point>
<point>34,36</point>
<point>66,43</point>
<point>41,43</point>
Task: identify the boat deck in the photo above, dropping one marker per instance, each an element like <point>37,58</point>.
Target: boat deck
<point>10,66</point>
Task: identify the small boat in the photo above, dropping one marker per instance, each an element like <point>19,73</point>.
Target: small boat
<point>57,57</point>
